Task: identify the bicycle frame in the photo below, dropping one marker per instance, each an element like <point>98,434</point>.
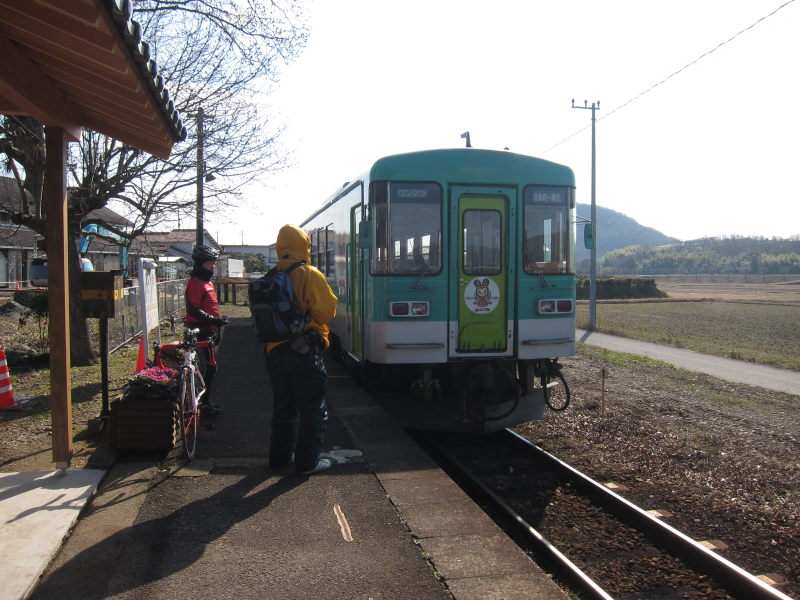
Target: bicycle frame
<point>189,411</point>
<point>190,357</point>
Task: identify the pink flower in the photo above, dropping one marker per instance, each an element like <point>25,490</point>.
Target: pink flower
<point>157,374</point>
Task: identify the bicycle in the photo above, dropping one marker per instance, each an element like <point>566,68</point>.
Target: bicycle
<point>554,387</point>
<point>191,386</point>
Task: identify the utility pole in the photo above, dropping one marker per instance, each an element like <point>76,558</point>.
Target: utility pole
<point>593,256</point>
<point>199,238</point>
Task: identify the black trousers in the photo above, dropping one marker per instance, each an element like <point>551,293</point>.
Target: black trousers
<point>299,414</point>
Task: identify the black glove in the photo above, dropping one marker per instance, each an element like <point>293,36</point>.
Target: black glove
<point>221,321</point>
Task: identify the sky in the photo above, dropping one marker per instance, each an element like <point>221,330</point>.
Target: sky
<point>692,148</point>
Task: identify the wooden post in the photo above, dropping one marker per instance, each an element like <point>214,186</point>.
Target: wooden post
<point>55,197</point>
<point>105,411</point>
<point>603,374</point>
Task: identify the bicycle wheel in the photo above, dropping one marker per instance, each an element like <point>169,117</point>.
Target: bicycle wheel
<point>556,392</point>
<point>189,415</point>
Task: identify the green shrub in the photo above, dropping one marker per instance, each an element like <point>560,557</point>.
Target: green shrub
<point>615,288</point>
<point>38,310</point>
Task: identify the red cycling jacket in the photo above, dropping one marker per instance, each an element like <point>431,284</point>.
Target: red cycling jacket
<point>201,295</point>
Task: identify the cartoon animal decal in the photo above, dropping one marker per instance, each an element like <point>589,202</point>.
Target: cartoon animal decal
<point>483,294</point>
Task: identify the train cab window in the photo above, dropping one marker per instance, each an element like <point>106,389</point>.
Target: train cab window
<point>482,242</point>
<point>546,229</point>
<point>407,217</point>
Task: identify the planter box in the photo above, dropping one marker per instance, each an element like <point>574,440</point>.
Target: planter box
<point>145,417</point>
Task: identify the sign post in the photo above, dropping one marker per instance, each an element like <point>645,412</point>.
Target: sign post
<point>148,301</point>
<point>102,298</point>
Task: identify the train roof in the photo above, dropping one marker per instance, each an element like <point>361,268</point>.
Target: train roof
<point>460,165</point>
<point>471,165</point>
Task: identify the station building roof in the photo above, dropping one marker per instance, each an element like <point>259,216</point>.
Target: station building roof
<point>83,63</point>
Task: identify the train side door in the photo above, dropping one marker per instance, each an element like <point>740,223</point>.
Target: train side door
<point>356,278</point>
<point>481,265</point>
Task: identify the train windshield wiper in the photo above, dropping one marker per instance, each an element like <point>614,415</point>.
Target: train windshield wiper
<point>424,268</point>
<point>541,276</point>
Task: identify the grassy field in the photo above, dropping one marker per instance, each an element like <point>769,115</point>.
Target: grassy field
<point>754,332</point>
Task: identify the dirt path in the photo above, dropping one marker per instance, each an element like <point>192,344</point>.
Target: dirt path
<point>738,371</point>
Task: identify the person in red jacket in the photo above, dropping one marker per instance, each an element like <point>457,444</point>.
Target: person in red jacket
<point>202,312</point>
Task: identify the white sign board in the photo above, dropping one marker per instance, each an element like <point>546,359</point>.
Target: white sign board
<point>148,301</point>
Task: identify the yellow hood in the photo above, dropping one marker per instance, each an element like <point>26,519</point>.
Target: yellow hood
<point>292,245</point>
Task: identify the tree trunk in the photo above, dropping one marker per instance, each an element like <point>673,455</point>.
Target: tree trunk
<point>81,352</point>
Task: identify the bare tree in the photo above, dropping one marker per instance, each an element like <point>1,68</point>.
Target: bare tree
<point>218,56</point>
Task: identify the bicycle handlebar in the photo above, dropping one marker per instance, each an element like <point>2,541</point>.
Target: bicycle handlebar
<point>189,341</point>
<point>186,345</point>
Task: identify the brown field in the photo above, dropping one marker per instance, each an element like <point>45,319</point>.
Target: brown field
<point>770,289</point>
<point>753,321</point>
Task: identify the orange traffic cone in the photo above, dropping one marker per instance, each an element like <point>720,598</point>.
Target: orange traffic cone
<point>6,392</point>
<point>140,361</point>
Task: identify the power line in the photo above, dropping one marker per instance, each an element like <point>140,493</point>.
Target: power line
<point>668,77</point>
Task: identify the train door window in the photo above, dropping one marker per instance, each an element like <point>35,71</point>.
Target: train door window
<point>482,242</point>
<point>407,219</point>
<point>546,229</point>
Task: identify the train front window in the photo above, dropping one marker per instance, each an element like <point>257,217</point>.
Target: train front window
<point>482,242</point>
<point>546,229</point>
<point>408,223</point>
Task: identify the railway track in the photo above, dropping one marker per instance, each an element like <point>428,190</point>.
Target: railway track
<point>594,540</point>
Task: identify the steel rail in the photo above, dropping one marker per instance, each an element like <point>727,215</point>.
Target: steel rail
<point>736,580</point>
<point>572,570</point>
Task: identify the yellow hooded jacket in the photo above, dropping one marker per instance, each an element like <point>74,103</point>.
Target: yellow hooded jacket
<point>311,289</point>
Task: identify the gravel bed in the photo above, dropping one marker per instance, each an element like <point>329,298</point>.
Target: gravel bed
<point>721,457</point>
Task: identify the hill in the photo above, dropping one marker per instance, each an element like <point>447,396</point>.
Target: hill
<point>726,255</point>
<point>616,231</point>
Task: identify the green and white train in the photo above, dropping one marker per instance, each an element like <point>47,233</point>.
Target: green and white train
<point>455,274</point>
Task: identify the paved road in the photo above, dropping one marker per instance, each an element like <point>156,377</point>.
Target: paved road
<point>740,371</point>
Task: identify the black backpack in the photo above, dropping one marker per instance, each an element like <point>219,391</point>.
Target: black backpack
<point>276,315</point>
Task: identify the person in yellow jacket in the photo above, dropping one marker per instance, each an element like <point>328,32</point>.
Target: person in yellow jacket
<point>296,369</point>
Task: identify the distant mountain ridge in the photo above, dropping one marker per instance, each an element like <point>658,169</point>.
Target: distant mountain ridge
<point>615,231</point>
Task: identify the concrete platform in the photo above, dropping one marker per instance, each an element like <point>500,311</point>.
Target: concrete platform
<point>383,523</point>
<point>37,510</point>
<point>475,559</point>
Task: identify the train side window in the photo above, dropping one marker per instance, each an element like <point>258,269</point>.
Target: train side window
<point>407,220</point>
<point>330,250</point>
<point>314,235</point>
<point>546,229</point>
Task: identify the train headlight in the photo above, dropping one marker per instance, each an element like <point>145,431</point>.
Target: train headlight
<point>558,306</point>
<point>547,306</point>
<point>409,309</point>
<point>419,309</point>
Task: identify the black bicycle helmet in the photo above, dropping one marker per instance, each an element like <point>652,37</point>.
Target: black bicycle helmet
<point>201,254</point>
